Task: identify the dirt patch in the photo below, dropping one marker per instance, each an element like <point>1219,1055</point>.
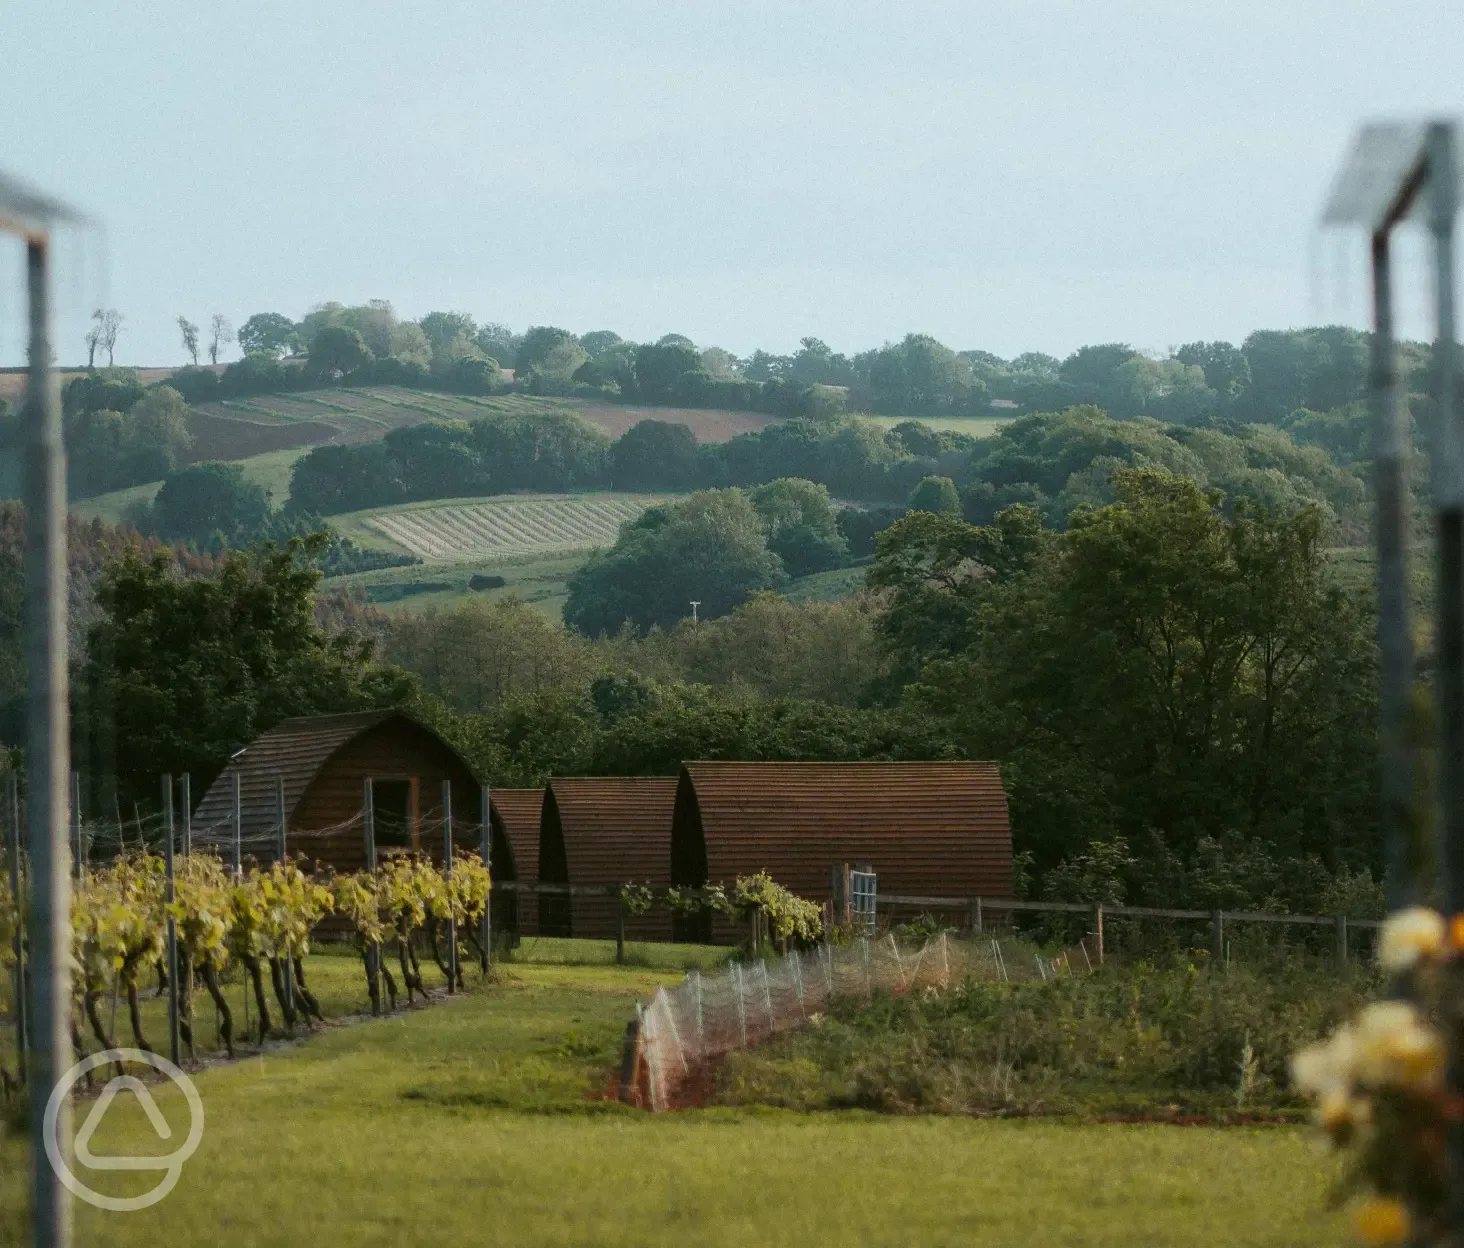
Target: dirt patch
<point>708,425</point>
<point>230,437</point>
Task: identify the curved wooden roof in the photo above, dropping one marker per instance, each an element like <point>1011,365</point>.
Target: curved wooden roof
<point>518,811</point>
<point>926,828</point>
<point>294,748</point>
<point>617,829</point>
<point>300,750</point>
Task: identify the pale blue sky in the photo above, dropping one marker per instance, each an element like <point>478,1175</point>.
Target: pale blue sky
<point>1007,176</point>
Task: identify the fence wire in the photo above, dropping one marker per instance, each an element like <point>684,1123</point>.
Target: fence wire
<point>744,1004</point>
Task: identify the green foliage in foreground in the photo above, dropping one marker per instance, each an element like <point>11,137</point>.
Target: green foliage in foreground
<point>1122,1041</point>
<point>492,1097</point>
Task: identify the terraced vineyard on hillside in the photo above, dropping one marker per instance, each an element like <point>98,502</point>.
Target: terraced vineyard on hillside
<point>517,524</point>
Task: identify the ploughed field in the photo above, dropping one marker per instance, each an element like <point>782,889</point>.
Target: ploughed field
<point>485,1119</point>
<point>236,428</point>
<point>513,524</point>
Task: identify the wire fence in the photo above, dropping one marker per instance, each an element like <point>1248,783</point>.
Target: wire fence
<point>675,1037</point>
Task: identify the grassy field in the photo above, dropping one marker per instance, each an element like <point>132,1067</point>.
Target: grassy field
<point>483,1119</point>
<point>457,529</point>
<point>542,580</point>
<point>271,470</point>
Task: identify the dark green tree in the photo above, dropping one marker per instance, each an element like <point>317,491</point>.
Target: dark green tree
<point>336,352</point>
<point>269,333</point>
<point>182,672</point>
<point>708,547</point>
<point>1188,678</point>
<point>201,500</point>
<point>655,455</point>
<point>937,494</point>
<point>801,524</point>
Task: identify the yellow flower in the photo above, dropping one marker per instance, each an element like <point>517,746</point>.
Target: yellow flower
<point>1382,1221</point>
<point>1409,935</point>
<point>1328,1066</point>
<point>1396,1047</point>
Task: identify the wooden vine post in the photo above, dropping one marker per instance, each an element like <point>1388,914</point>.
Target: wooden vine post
<point>485,845</point>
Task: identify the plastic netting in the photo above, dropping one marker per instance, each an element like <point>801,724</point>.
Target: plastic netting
<point>743,1004</point>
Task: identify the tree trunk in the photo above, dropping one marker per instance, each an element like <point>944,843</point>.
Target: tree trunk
<point>226,1025</point>
<point>256,975</point>
<point>373,980</point>
<point>307,998</point>
<point>277,979</point>
<point>134,1013</point>
<point>416,968</point>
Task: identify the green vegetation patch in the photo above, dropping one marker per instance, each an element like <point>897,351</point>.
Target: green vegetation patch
<point>1136,1041</point>
<point>486,1115</point>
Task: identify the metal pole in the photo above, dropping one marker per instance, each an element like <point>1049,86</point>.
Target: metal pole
<point>76,849</point>
<point>282,842</point>
<point>485,848</point>
<point>17,947</point>
<point>238,830</point>
<point>187,815</point>
<point>1449,491</point>
<point>282,848</point>
<point>169,897</point>
<point>452,963</point>
<point>1443,205</point>
<point>368,822</point>
<point>1395,642</point>
<point>48,757</point>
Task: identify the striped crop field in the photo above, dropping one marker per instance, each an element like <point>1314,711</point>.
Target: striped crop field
<point>513,524</point>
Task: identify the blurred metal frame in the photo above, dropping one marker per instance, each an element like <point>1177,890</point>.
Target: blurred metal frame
<point>33,216</point>
<point>1397,171</point>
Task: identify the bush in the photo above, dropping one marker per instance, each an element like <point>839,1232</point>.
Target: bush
<point>1138,1040</point>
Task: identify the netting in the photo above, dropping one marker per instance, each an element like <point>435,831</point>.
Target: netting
<point>743,1004</point>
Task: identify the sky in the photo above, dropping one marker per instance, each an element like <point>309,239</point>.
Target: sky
<point>1012,176</point>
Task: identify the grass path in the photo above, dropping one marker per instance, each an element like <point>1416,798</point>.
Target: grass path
<point>475,1122</point>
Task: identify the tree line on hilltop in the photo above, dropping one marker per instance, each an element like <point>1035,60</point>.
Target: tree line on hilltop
<point>1178,686</point>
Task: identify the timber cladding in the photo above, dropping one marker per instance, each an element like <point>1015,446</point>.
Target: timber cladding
<point>324,761</point>
<point>605,830</point>
<point>926,828</point>
<point>516,812</point>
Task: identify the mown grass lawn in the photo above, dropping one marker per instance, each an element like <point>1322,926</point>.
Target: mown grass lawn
<point>480,1121</point>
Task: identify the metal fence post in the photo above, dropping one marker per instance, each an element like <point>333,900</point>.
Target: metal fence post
<point>452,962</point>
<point>368,822</point>
<point>741,1003</point>
<point>172,947</point>
<point>619,924</point>
<point>17,947</point>
<point>238,806</point>
<point>48,748</point>
<point>282,841</point>
<point>187,796</point>
<point>282,848</point>
<point>76,846</point>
